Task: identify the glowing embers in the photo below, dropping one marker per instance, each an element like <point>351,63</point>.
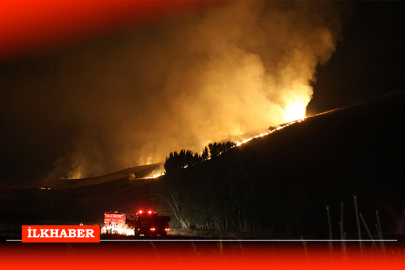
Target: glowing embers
<point>271,131</point>
<point>154,176</point>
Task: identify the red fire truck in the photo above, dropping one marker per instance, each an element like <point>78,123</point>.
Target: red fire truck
<point>149,223</point>
<point>143,223</point>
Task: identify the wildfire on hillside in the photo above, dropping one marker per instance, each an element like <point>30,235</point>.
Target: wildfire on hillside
<point>239,143</point>
<point>270,131</point>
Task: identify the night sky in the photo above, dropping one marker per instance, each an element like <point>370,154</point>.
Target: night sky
<point>369,61</point>
<point>128,96</point>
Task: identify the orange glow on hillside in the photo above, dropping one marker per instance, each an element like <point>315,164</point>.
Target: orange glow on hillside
<point>270,131</point>
<point>156,174</point>
<point>151,176</point>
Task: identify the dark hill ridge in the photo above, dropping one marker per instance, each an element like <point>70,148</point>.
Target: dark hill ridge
<point>356,150</point>
<point>360,148</point>
<point>284,181</point>
<point>139,171</point>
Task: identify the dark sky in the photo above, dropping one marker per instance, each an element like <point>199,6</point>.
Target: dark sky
<point>370,60</point>
<point>132,97</point>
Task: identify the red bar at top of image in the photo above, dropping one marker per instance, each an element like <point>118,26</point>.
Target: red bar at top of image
<point>30,27</point>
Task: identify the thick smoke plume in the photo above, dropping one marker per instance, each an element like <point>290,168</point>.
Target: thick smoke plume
<point>190,81</point>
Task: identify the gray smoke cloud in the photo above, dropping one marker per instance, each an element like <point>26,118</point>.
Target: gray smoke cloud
<point>189,81</point>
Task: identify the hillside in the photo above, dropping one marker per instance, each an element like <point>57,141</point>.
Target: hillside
<point>288,176</point>
<point>357,146</point>
<point>74,200</point>
<point>329,158</point>
<point>283,182</point>
<point>139,171</point>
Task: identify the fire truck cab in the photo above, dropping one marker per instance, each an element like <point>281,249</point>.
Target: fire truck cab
<point>148,223</point>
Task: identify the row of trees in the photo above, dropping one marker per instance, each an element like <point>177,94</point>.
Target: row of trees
<point>187,158</point>
<point>217,149</point>
<point>224,195</point>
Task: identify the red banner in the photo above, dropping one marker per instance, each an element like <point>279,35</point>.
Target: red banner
<point>60,234</point>
<point>205,255</point>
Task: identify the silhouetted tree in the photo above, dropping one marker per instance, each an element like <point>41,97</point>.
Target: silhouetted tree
<point>174,198</point>
<point>189,158</point>
<point>205,154</point>
<point>173,163</point>
<point>197,159</point>
<point>229,145</point>
<point>213,147</point>
<point>217,149</point>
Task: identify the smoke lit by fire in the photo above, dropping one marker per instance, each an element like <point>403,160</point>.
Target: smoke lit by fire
<point>182,84</point>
